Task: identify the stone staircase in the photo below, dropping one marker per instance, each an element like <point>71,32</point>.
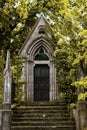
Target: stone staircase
<point>42,116</point>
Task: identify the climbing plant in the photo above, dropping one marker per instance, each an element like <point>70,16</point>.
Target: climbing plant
<point>16,79</point>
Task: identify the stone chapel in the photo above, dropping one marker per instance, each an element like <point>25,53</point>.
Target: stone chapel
<point>38,69</point>
<point>39,110</point>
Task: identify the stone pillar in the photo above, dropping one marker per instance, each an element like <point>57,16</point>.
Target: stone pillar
<point>53,89</point>
<point>81,110</point>
<point>76,118</point>
<point>23,78</point>
<point>30,80</point>
<point>6,110</point>
<point>80,75</point>
<point>0,119</point>
<point>82,113</point>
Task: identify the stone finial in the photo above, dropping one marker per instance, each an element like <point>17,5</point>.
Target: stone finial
<point>8,63</point>
<point>41,14</point>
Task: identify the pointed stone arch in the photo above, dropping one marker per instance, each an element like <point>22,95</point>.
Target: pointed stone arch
<point>37,44</point>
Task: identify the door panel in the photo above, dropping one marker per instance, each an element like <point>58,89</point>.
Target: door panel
<point>41,83</point>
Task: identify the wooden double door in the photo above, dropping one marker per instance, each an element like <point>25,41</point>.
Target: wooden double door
<point>41,82</point>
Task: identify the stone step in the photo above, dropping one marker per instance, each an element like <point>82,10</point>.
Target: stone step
<point>43,123</point>
<point>46,103</point>
<point>33,115</point>
<point>41,107</point>
<point>40,119</point>
<point>42,128</point>
<point>39,111</point>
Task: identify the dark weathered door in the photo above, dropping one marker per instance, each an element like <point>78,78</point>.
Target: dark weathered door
<point>41,83</point>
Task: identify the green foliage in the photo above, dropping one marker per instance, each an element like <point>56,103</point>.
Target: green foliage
<point>16,20</point>
<point>65,73</point>
<point>70,29</point>
<point>2,61</point>
<point>15,23</point>
<point>16,76</point>
<point>81,83</point>
<point>82,96</point>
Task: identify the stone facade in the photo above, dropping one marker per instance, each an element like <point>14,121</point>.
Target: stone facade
<point>40,37</point>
